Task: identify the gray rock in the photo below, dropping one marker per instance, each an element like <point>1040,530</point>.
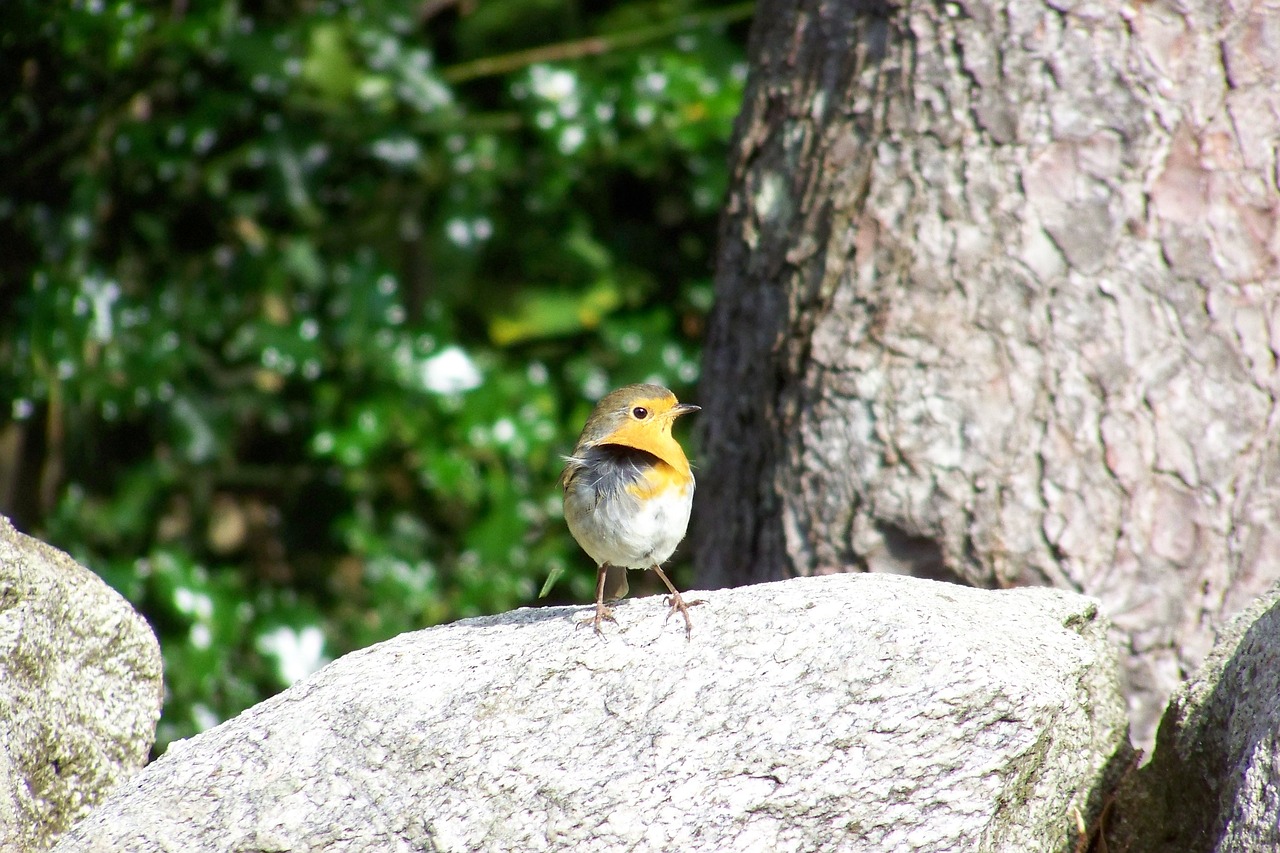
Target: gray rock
<point>1213,783</point>
<point>80,690</point>
<point>846,712</point>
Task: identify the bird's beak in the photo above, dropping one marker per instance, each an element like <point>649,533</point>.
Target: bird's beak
<point>686,409</point>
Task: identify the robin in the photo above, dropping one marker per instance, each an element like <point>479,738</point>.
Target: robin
<point>628,491</point>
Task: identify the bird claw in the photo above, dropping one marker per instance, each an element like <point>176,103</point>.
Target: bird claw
<point>667,600</point>
<point>676,603</point>
<point>602,614</point>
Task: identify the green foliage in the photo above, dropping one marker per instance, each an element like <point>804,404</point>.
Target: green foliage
<point>300,303</point>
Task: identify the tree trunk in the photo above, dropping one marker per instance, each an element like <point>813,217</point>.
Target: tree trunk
<point>997,303</point>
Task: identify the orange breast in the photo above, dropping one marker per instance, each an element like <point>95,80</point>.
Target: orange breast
<point>651,438</point>
<point>658,479</point>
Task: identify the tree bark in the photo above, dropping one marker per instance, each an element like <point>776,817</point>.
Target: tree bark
<point>997,303</point>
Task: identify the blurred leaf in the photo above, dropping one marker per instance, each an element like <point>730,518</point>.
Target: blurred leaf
<point>329,66</point>
<point>553,578</point>
<point>272,347</point>
<point>546,313</point>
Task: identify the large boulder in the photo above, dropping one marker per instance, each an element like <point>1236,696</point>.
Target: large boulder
<point>850,712</point>
<point>80,690</point>
<point>1213,783</point>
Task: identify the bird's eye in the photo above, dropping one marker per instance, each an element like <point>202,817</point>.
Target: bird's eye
<point>640,413</point>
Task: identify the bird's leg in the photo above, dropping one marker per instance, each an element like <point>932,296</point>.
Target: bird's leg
<point>675,602</point>
<point>602,612</point>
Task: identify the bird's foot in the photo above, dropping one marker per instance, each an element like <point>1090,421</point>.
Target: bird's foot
<point>677,603</point>
<point>602,614</point>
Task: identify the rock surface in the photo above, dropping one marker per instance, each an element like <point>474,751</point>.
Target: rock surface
<point>1214,779</point>
<point>850,712</point>
<point>80,690</point>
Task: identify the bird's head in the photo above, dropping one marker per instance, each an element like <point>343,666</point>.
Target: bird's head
<point>638,416</point>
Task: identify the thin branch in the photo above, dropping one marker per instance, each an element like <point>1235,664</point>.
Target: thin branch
<point>492,66</point>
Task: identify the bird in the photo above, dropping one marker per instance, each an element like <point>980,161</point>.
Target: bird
<point>628,491</point>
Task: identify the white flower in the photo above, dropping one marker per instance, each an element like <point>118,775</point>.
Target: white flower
<point>297,653</point>
<point>450,371</point>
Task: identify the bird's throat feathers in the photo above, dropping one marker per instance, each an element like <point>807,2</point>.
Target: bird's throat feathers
<point>651,439</point>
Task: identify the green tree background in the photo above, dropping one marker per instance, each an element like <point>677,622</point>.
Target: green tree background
<point>301,302</point>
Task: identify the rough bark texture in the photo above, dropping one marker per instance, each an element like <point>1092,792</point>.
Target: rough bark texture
<point>839,713</point>
<point>80,691</point>
<point>997,301</point>
<point>1213,783</point>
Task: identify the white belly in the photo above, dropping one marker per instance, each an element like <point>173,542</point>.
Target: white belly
<point>623,531</point>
